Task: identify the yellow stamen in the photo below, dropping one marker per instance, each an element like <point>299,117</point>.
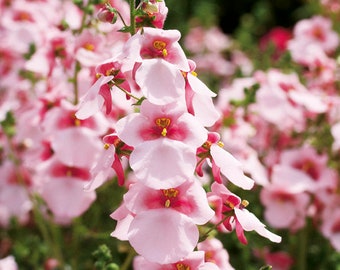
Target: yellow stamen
<point>245,203</point>
<point>88,46</point>
<point>167,203</point>
<point>77,122</point>
<point>161,46</point>
<point>106,146</point>
<point>98,75</point>
<point>163,123</point>
<point>164,132</point>
<point>194,73</point>
<point>169,193</point>
<point>181,266</point>
<point>220,144</point>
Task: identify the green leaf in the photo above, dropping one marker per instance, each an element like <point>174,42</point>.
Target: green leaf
<point>140,101</point>
<point>8,124</point>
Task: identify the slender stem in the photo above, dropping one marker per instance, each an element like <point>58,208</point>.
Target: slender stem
<point>121,18</point>
<point>75,82</point>
<point>132,17</point>
<point>302,248</point>
<point>128,93</point>
<point>128,259</point>
<point>49,231</point>
<point>206,234</point>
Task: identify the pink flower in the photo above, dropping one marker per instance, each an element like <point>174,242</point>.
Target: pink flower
<point>61,187</point>
<point>155,56</point>
<point>15,183</point>
<point>161,133</point>
<point>312,165</point>
<point>317,30</point>
<point>89,48</point>
<point>284,199</point>
<point>200,40</point>
<point>230,210</point>
<point>279,37</point>
<point>222,162</point>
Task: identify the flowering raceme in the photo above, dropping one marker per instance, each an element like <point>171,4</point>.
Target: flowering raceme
<point>167,142</point>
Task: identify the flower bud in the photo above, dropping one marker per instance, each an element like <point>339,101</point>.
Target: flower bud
<point>107,14</point>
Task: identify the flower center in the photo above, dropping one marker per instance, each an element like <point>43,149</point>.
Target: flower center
<point>88,46</point>
<point>163,123</point>
<point>160,46</point>
<point>170,194</point>
<point>181,266</point>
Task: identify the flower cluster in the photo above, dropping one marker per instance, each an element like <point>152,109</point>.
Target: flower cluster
<point>168,144</point>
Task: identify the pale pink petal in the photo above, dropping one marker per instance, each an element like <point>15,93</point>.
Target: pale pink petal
<point>76,146</point>
<point>122,228</point>
<point>66,198</point>
<point>160,81</point>
<point>209,266</point>
<point>163,163</point>
<point>199,87</point>
<point>128,128</point>
<point>230,167</point>
<point>250,222</point>
<point>163,235</point>
<point>92,102</point>
<point>280,215</point>
<point>102,169</point>
<point>293,180</point>
<point>205,110</point>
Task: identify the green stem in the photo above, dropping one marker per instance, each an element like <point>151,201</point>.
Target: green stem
<point>128,259</point>
<point>206,234</point>
<point>132,17</point>
<point>48,230</point>
<point>75,83</point>
<point>128,93</point>
<point>302,249</point>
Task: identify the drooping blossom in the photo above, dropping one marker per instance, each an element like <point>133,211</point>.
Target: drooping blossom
<point>230,213</point>
<point>222,162</point>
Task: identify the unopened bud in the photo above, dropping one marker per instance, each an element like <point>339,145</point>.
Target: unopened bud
<point>107,14</point>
